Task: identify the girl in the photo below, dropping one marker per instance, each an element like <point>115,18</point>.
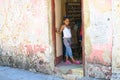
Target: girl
<point>65,28</point>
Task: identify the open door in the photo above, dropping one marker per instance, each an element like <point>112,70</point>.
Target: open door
<point>57,15</point>
<point>58,18</point>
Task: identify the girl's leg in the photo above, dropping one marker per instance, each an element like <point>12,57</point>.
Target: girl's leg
<point>67,60</point>
<point>73,60</point>
<point>67,52</point>
<point>66,55</point>
<point>71,56</point>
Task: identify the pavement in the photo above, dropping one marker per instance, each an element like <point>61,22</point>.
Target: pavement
<point>4,78</point>
<point>7,73</point>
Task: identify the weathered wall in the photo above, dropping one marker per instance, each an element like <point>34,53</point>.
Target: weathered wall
<point>116,40</point>
<point>98,38</point>
<point>24,39</point>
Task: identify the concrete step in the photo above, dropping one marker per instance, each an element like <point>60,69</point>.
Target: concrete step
<point>70,72</point>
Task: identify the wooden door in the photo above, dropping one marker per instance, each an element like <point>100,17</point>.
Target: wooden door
<point>57,17</point>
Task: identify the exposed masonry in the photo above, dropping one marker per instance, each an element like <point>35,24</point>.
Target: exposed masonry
<point>24,38</point>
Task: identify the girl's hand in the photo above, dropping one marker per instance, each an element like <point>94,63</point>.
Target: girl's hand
<point>58,32</point>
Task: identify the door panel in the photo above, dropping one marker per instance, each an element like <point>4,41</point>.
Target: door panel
<point>58,18</point>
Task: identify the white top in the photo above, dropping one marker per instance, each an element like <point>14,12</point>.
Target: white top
<point>67,33</point>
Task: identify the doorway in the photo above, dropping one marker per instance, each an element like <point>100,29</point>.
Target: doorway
<point>73,10</point>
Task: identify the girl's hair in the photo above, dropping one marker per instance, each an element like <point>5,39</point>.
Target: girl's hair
<point>65,17</point>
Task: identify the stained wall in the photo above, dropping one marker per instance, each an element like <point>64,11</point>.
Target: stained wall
<point>98,38</point>
<point>116,39</point>
<point>25,35</point>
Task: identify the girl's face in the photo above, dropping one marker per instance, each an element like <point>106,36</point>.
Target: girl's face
<point>67,22</point>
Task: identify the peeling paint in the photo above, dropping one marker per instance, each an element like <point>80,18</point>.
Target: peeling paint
<point>88,45</point>
<point>86,14</point>
<point>24,38</point>
<point>98,38</point>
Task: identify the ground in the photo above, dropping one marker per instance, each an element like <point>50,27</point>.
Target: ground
<point>7,73</point>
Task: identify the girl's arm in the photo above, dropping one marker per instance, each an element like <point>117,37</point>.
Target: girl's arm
<point>61,29</point>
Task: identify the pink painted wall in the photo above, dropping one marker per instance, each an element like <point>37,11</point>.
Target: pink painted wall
<point>24,34</point>
<point>98,38</point>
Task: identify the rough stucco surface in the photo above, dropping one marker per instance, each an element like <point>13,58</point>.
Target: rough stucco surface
<point>116,41</point>
<point>98,38</point>
<point>24,39</point>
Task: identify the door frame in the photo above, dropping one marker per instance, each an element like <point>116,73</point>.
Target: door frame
<point>58,59</point>
<point>83,36</point>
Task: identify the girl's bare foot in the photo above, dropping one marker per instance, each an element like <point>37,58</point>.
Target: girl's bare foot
<point>76,62</point>
<point>68,62</point>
